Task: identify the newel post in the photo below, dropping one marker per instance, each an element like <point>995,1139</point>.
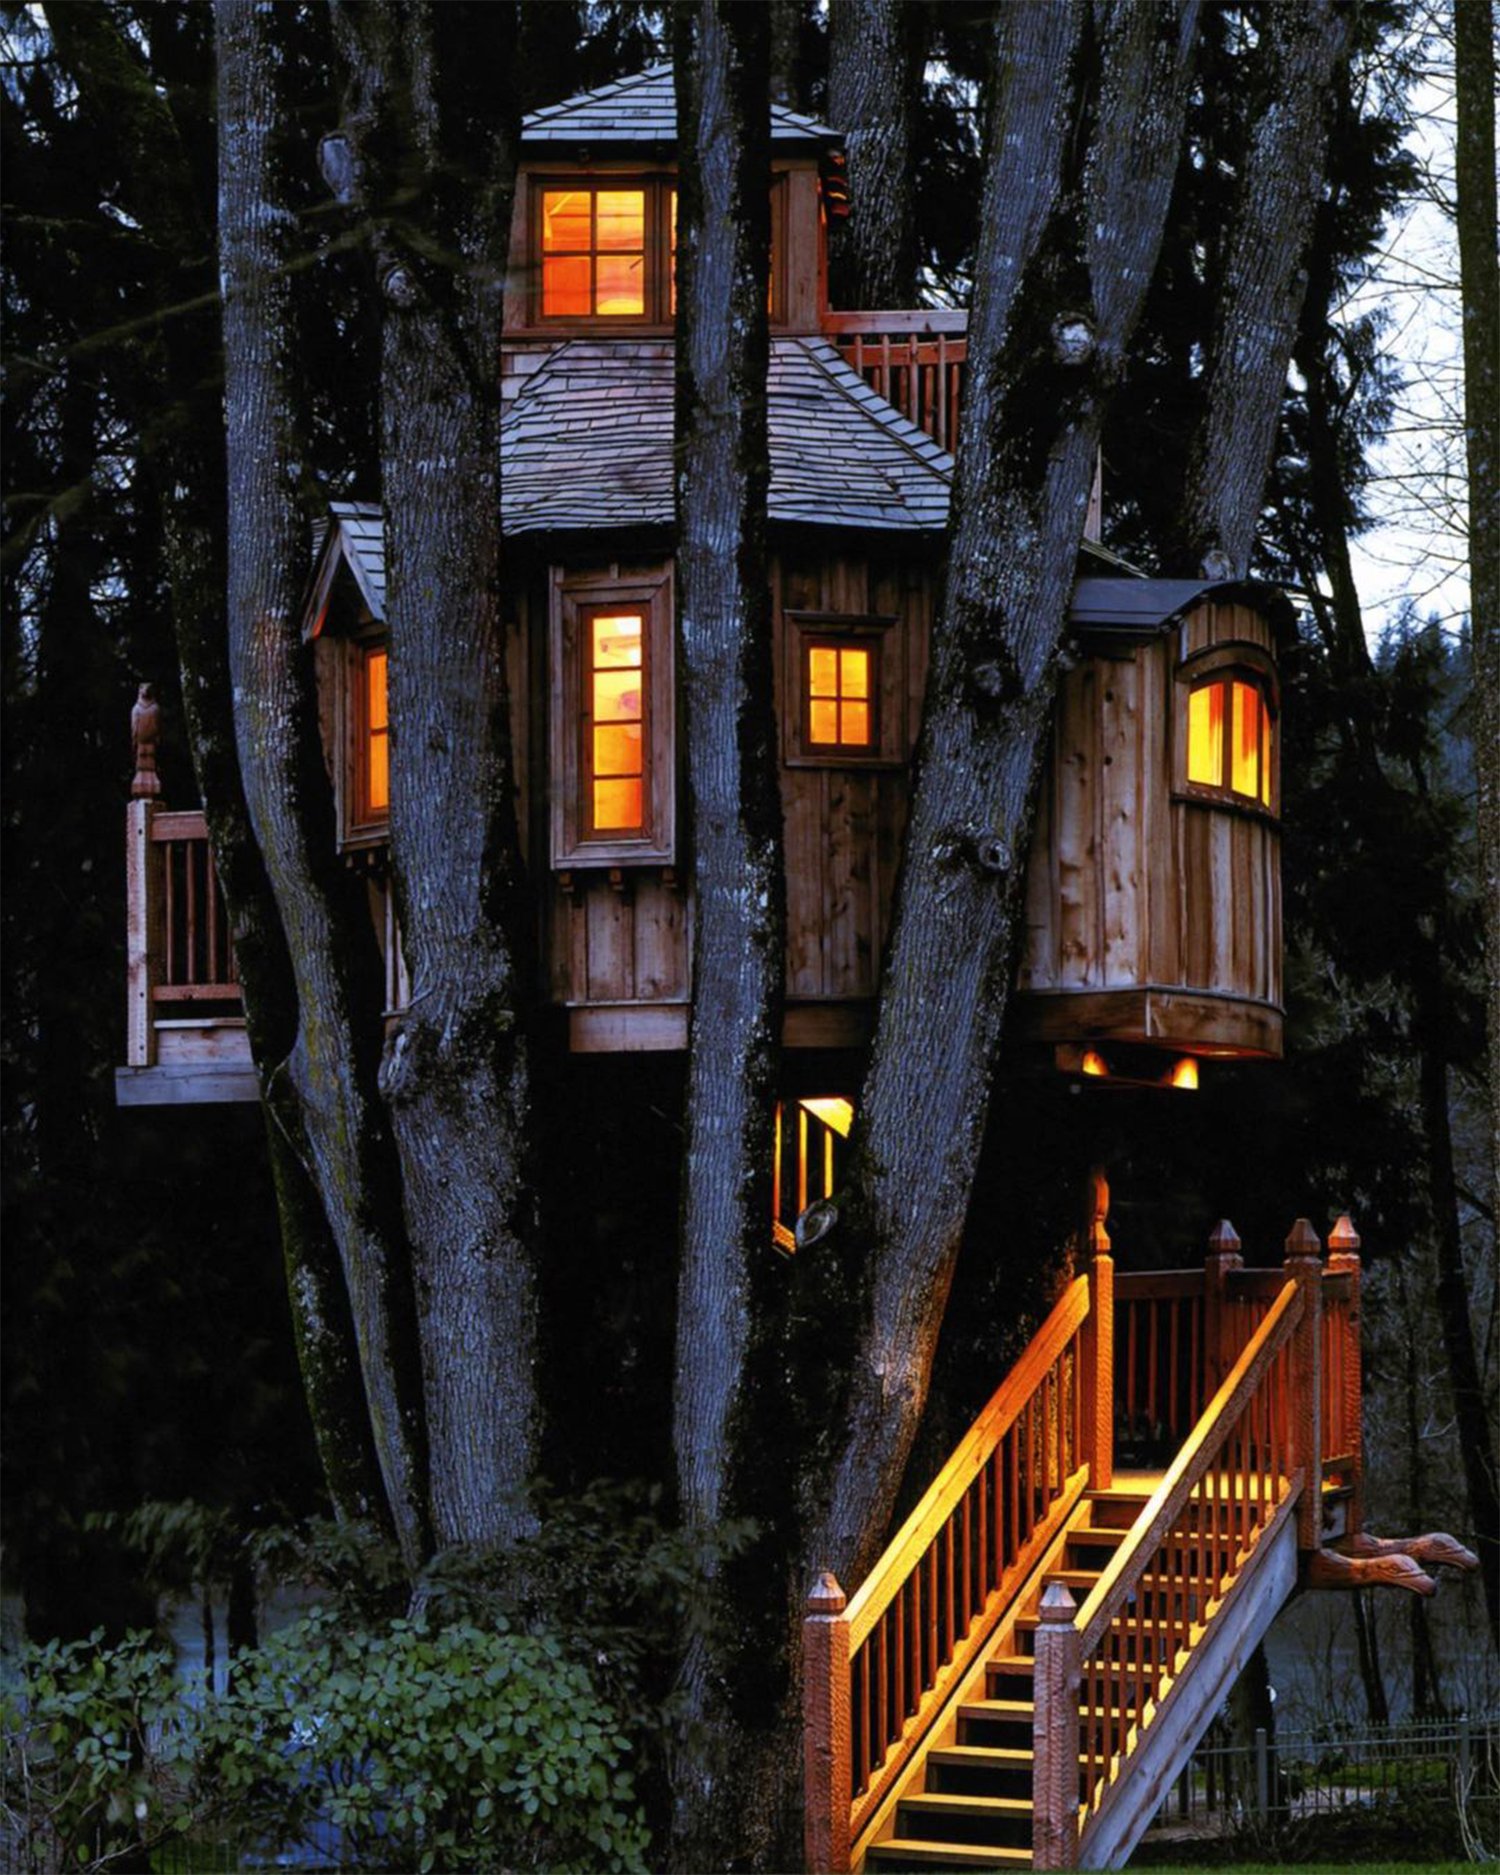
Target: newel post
<point>1304,1266</point>
<point>827,1757</point>
<point>1343,1260</point>
<point>1099,1346</point>
<point>1222,1261</point>
<point>142,884</point>
<point>1054,1798</point>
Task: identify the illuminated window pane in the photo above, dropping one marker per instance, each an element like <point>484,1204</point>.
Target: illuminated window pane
<point>1265,755</point>
<point>854,725</point>
<point>620,285</point>
<point>854,673</point>
<point>617,640</point>
<point>1245,775</point>
<point>617,696</point>
<point>378,775</point>
<point>376,790</point>
<point>620,220</point>
<point>823,720</point>
<point>567,290</point>
<point>617,806</point>
<point>823,671</point>
<point>375,690</point>
<point>1206,735</point>
<point>565,221</point>
<point>617,749</point>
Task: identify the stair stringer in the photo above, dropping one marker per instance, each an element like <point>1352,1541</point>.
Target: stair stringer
<point>1234,1629</point>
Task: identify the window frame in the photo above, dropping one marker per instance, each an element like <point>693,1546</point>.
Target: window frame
<point>578,597</point>
<point>1227,664</point>
<point>659,187</point>
<point>885,639</point>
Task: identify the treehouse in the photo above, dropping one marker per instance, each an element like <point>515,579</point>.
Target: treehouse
<point>1153,908</point>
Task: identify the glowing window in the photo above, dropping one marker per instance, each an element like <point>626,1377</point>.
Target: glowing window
<point>593,253</point>
<point>840,697</point>
<point>809,1159</point>
<point>374,733</point>
<point>615,721</point>
<point>1229,738</point>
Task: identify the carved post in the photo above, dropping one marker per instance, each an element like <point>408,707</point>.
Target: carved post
<point>1304,1266</point>
<point>142,933</point>
<point>145,728</point>
<point>1343,1260</point>
<point>1222,1260</point>
<point>1099,1346</point>
<point>827,1757</point>
<point>1054,1797</point>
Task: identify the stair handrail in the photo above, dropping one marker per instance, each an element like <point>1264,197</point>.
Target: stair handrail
<point>864,1717</point>
<point>1256,1389</point>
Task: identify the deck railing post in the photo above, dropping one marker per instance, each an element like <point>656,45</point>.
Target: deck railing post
<point>1343,1260</point>
<point>142,933</point>
<point>1099,1360</point>
<point>1304,1266</point>
<point>1222,1260</point>
<point>1054,1797</point>
<point>827,1758</point>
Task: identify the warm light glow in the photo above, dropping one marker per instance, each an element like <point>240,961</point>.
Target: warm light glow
<point>614,732</point>
<point>1206,735</point>
<point>839,696</point>
<point>1094,1063</point>
<point>593,253</point>
<point>834,1112</point>
<point>377,767</point>
<point>1185,1073</point>
<point>1244,775</point>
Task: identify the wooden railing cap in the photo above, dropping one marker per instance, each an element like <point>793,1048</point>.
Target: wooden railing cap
<point>1303,1240</point>
<point>1057,1604</point>
<point>1223,1237</point>
<point>826,1597</point>
<point>1343,1237</point>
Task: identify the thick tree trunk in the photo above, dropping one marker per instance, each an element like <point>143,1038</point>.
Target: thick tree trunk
<point>436,127</point>
<point>875,54</point>
<point>1069,238</point>
<point>739,936</point>
<point>1262,285</point>
<point>1479,273</point>
<point>183,456</point>
<point>333,1059</point>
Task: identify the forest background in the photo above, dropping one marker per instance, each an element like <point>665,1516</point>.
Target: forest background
<point>156,1430</point>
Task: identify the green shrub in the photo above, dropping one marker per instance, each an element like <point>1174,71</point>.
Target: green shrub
<point>410,1747</point>
<point>96,1742</point>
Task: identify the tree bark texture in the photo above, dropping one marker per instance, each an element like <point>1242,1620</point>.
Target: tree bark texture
<point>1070,226</point>
<point>724,636</point>
<point>332,1063</point>
<point>1479,274</point>
<point>875,53</point>
<point>1262,285</point>
<point>182,457</point>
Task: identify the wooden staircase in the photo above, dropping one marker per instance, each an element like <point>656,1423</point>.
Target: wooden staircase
<point>1033,1660</point>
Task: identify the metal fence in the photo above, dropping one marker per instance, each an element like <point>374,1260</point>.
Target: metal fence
<point>1432,1784</point>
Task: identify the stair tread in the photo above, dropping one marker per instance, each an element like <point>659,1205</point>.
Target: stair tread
<point>997,1709</point>
<point>1008,1757</point>
<point>966,1854</point>
<point>959,1804</point>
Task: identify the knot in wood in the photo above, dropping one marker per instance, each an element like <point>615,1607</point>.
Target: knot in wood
<point>992,854</point>
<point>815,1223</point>
<point>989,679</point>
<point>1073,338</point>
<point>399,287</point>
<point>1216,564</point>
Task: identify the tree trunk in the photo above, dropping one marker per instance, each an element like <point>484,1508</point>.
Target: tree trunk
<point>875,57</point>
<point>1479,273</point>
<point>1262,286</point>
<point>1068,240</point>
<point>721,1794</point>
<point>332,1062</point>
<point>435,126</point>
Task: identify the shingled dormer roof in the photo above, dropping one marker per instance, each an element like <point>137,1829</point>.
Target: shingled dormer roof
<point>587,444</point>
<point>643,109</point>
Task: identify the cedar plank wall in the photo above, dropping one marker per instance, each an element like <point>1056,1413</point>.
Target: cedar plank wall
<point>629,942</point>
<point>1110,830</point>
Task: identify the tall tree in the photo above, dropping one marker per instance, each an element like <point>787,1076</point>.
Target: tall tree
<point>876,51</point>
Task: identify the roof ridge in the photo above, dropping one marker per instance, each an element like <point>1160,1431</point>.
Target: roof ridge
<point>911,436</point>
<point>548,114</point>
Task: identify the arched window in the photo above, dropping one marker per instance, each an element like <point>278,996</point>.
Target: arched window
<point>1231,737</point>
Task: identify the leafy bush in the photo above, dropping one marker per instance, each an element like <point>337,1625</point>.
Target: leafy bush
<point>411,1747</point>
<point>96,1741</point>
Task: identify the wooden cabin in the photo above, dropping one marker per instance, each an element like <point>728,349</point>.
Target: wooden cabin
<point>1153,911</point>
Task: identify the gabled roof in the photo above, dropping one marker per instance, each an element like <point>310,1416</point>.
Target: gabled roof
<point>587,443</point>
<point>357,536</point>
<point>643,109</point>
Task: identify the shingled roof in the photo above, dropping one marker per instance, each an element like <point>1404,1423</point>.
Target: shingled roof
<point>643,109</point>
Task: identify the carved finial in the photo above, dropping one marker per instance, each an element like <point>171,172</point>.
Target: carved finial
<point>1303,1241</point>
<point>145,727</point>
<point>1344,1237</point>
<point>826,1597</point>
<point>1098,1209</point>
<point>1057,1605</point>
<point>1224,1239</point>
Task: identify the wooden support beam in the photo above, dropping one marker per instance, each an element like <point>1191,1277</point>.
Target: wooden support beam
<point>143,930</point>
<point>827,1758</point>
